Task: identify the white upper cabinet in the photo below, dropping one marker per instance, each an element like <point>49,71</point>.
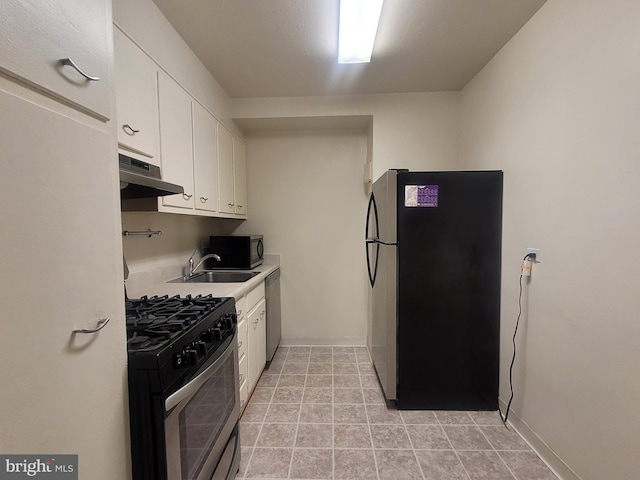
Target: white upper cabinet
<point>232,174</point>
<point>225,169</point>
<point>44,40</point>
<point>136,99</point>
<point>240,177</point>
<point>176,141</point>
<point>205,159</point>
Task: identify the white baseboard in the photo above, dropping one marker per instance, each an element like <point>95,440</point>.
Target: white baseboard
<point>324,342</point>
<point>548,456</point>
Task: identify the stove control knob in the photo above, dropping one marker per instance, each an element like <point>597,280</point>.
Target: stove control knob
<point>227,321</point>
<point>180,360</point>
<point>201,347</point>
<point>192,356</point>
<point>207,336</point>
<point>211,335</point>
<point>217,334</point>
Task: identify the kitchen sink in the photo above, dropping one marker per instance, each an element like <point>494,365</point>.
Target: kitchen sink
<point>217,277</point>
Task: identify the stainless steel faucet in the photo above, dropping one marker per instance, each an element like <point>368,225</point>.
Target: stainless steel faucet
<point>191,269</point>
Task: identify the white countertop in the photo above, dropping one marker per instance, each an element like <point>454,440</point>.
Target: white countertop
<point>155,282</point>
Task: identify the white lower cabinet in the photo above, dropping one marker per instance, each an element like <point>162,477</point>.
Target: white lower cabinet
<point>252,340</point>
<point>257,327</point>
<point>242,360</point>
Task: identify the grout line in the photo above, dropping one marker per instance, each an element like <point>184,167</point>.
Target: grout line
<point>455,451</point>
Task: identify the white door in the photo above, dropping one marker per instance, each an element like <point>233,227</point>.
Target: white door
<point>61,271</point>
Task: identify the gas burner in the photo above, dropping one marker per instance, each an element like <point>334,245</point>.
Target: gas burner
<point>153,322</point>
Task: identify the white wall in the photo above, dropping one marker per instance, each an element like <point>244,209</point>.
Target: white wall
<point>307,197</point>
<point>558,109</point>
<point>415,131</point>
<point>418,131</point>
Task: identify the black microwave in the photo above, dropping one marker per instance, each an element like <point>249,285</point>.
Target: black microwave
<point>242,252</point>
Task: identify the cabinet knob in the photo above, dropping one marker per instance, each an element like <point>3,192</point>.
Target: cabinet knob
<point>71,63</point>
<point>129,130</point>
<point>186,196</point>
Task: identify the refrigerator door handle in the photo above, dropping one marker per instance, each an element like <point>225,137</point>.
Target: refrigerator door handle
<point>372,208</point>
<point>380,242</point>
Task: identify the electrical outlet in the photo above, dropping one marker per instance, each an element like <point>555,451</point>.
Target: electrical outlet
<point>537,252</point>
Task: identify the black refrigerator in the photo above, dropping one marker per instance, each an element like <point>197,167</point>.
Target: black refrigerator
<point>433,245</point>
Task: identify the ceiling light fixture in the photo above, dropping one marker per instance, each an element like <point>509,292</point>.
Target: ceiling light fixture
<point>358,25</point>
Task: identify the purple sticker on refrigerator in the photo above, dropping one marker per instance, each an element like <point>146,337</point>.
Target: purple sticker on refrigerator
<point>421,195</point>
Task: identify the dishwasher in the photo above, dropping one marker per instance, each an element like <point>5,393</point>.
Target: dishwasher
<point>274,320</point>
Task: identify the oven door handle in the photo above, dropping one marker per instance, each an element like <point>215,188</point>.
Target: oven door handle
<point>195,384</point>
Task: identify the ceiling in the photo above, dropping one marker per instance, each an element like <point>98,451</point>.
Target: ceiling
<point>288,48</point>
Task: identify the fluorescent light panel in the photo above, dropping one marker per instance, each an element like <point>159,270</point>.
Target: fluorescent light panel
<point>358,25</point>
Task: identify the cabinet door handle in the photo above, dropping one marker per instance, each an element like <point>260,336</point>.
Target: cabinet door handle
<point>204,199</point>
<point>239,206</point>
<point>129,130</point>
<point>240,344</point>
<point>255,323</point>
<point>71,63</point>
<point>241,377</point>
<point>99,326</point>
<point>186,196</point>
<point>239,313</point>
<point>262,314</point>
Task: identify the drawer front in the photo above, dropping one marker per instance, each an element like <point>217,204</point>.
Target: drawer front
<point>241,307</point>
<point>254,296</point>
<point>243,394</point>
<point>243,369</point>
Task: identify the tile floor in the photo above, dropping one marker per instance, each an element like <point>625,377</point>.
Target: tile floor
<point>318,413</point>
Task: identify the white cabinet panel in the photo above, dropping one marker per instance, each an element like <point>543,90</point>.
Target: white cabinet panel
<point>35,37</point>
<point>60,255</point>
<point>240,177</point>
<point>136,98</point>
<point>176,141</point>
<point>257,326</point>
<point>205,159</point>
<point>225,169</point>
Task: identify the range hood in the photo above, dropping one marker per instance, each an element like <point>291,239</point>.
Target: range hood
<point>140,179</point>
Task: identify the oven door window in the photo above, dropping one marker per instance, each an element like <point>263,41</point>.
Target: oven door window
<point>197,428</point>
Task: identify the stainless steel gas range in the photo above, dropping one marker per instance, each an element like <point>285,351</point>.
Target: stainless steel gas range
<point>183,388</point>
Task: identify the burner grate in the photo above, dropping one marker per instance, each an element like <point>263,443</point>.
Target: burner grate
<point>153,321</point>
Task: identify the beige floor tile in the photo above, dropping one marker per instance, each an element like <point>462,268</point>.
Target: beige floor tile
<point>316,435</point>
<point>319,413</point>
<point>354,465</point>
<point>269,463</point>
<point>312,463</point>
<point>397,464</point>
